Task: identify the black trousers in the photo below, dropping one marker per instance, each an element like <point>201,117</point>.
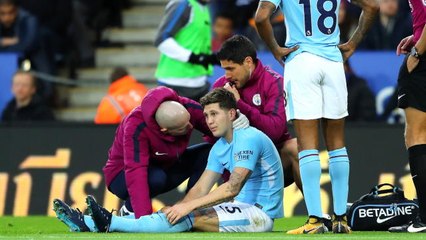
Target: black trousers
<point>190,165</point>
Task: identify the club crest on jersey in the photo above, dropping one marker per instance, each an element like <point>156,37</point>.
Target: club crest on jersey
<point>424,2</point>
<point>256,99</point>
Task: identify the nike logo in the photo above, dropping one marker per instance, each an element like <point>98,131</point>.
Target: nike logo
<point>160,153</point>
<point>311,230</point>
<point>400,96</point>
<point>413,229</point>
<point>224,164</point>
<point>382,220</point>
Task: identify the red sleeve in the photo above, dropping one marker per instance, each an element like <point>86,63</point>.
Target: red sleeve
<point>220,82</point>
<point>272,120</point>
<point>136,160</point>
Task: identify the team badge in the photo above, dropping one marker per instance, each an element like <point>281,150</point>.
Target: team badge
<point>256,99</point>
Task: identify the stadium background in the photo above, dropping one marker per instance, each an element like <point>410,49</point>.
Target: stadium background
<point>40,162</point>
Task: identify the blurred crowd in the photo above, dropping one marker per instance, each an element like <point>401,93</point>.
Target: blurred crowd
<point>63,34</point>
<point>56,33</point>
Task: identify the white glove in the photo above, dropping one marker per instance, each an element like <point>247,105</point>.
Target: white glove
<point>241,122</point>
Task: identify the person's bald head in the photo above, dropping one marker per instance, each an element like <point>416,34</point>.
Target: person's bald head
<point>173,118</point>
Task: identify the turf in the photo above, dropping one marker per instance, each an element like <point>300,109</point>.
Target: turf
<point>51,228</point>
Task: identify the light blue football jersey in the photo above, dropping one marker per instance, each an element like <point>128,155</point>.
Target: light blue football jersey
<point>313,26</point>
<point>252,149</point>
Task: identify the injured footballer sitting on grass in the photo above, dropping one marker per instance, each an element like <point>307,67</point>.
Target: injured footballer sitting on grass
<point>249,202</point>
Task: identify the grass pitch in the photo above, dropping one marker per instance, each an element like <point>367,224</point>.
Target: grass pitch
<point>52,228</point>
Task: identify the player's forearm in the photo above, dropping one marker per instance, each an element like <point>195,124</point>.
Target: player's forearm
<point>370,8</point>
<point>195,193</point>
<point>266,33</point>
<point>226,191</point>
<point>263,24</point>
<point>203,186</point>
<point>221,194</point>
<point>421,43</point>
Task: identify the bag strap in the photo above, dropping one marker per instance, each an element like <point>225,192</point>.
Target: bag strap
<point>376,189</point>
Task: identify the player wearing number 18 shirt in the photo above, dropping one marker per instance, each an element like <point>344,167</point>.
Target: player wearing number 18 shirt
<point>316,93</point>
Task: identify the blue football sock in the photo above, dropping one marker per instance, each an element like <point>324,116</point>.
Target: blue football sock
<point>89,223</point>
<point>310,172</point>
<point>339,173</point>
<point>154,223</point>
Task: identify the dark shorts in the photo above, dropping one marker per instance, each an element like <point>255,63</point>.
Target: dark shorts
<point>190,165</point>
<point>412,86</point>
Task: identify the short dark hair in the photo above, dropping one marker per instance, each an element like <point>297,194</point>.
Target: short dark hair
<point>236,49</point>
<point>222,96</point>
<point>118,73</point>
